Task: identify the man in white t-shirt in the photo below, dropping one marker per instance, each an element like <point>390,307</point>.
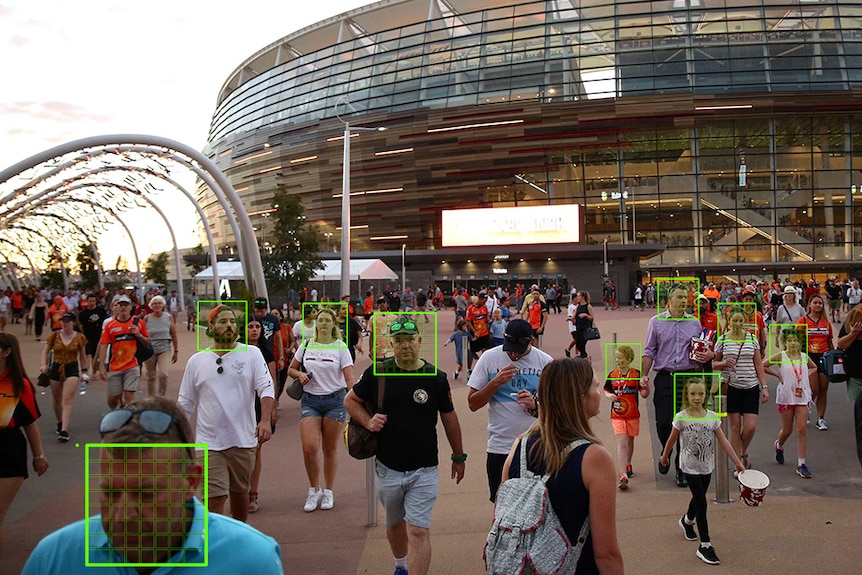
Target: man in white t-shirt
<point>571,320</point>
<point>505,379</point>
<point>313,294</point>
<point>854,294</point>
<point>220,384</point>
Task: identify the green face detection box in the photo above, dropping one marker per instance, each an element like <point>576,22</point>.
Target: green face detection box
<point>407,338</point>
<point>623,356</point>
<point>748,313</point>
<point>142,485</point>
<point>240,312</point>
<point>677,294</point>
<point>712,398</point>
<point>324,324</point>
<point>779,334</point>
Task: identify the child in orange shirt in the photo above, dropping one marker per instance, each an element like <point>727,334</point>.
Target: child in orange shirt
<point>622,387</point>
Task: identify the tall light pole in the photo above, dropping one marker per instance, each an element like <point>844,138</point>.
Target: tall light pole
<point>345,195</point>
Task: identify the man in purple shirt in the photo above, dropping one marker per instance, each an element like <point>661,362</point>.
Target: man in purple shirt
<point>667,352</point>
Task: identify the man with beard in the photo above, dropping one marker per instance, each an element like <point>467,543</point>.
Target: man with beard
<point>219,384</point>
<point>150,517</point>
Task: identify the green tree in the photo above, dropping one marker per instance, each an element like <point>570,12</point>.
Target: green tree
<point>198,251</point>
<point>52,276</point>
<point>87,267</point>
<point>295,246</point>
<point>156,268</point>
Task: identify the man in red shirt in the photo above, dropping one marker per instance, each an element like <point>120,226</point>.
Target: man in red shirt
<point>122,333</point>
<point>756,327</point>
<point>537,314</point>
<point>477,320</point>
<point>708,320</point>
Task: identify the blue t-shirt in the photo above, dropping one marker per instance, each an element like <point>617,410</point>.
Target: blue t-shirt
<point>234,547</point>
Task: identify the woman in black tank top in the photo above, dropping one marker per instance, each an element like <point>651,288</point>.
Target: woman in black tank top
<point>583,481</point>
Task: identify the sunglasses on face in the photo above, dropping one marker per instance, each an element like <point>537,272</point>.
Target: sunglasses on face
<point>220,369</point>
<point>152,420</point>
<point>519,340</point>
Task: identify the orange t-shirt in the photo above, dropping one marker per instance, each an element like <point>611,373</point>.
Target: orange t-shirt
<point>626,391</point>
<point>123,344</point>
<point>819,333</point>
<point>709,321</point>
<point>368,306</point>
<point>55,312</point>
<point>712,293</point>
<point>478,316</point>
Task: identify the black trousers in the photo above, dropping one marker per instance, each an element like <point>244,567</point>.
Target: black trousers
<point>494,467</point>
<point>698,484</point>
<point>665,408</point>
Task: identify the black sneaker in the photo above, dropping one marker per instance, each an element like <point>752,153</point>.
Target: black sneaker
<point>59,428</point>
<point>681,481</point>
<point>567,352</point>
<point>63,436</point>
<point>690,533</point>
<point>707,555</point>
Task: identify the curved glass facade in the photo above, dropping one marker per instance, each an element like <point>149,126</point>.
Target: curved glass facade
<point>726,130</point>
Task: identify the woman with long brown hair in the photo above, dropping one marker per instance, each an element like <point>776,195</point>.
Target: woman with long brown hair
<point>18,411</point>
<point>850,340</point>
<point>582,481</point>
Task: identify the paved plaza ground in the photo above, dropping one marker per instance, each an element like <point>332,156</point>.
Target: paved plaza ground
<point>803,526</point>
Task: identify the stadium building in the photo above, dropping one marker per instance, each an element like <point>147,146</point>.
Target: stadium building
<point>699,137</point>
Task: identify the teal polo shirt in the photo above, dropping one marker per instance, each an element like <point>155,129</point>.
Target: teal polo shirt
<point>234,547</point>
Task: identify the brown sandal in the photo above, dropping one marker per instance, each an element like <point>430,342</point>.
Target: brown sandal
<point>253,506</point>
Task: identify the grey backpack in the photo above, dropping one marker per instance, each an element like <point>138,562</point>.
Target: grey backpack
<point>527,537</point>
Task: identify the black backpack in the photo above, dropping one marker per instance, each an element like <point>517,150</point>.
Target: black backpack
<point>144,350</point>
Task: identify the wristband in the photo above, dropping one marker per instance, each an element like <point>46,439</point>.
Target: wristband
<point>41,456</point>
<point>461,459</point>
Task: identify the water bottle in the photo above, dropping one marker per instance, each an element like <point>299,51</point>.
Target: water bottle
<point>82,387</point>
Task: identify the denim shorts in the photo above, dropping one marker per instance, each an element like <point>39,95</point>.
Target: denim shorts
<point>330,405</point>
<point>408,495</point>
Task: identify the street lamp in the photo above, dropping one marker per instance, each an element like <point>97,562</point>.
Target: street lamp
<point>328,236</point>
<point>345,194</point>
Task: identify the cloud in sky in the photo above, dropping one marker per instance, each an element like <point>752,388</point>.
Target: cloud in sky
<point>74,69</point>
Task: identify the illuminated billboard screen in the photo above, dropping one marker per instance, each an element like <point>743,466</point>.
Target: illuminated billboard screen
<point>557,224</point>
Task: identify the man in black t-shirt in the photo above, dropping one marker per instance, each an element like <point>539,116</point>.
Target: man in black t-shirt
<point>270,333</point>
<point>91,319</point>
<point>407,475</point>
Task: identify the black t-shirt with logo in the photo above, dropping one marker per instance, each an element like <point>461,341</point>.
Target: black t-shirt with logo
<point>91,321</point>
<point>411,401</point>
<point>270,325</point>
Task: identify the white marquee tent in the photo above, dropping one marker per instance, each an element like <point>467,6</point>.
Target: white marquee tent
<point>359,270</point>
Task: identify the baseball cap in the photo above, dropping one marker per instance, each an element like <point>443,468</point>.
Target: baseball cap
<point>123,299</point>
<point>260,303</point>
<point>748,289</point>
<point>483,294</point>
<point>404,325</point>
<point>701,296</point>
<point>790,289</point>
<point>382,299</point>
<point>217,310</point>
<point>534,287</point>
<point>518,336</point>
<point>68,317</point>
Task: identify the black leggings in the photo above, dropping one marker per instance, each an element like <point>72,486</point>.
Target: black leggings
<point>698,484</point>
<point>581,345</point>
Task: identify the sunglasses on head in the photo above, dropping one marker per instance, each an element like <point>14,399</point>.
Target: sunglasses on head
<point>520,340</point>
<point>402,325</point>
<point>152,420</point>
<point>220,369</point>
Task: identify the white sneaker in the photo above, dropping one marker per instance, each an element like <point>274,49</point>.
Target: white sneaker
<point>821,424</point>
<point>326,501</point>
<point>312,500</point>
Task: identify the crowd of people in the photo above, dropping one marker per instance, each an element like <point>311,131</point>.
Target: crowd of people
<point>702,345</point>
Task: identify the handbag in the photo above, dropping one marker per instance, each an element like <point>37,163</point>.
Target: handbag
<point>44,380</point>
<point>592,333</point>
<point>360,441</point>
<point>833,363</point>
<point>294,388</point>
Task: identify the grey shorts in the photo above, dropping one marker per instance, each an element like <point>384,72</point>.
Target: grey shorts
<point>408,495</point>
<point>120,381</point>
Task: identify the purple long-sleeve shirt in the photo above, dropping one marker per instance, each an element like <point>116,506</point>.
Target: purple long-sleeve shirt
<point>669,341</point>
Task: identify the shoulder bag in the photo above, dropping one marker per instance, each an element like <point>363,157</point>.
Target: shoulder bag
<point>294,388</point>
<point>360,441</point>
<point>144,351</point>
<point>592,333</point>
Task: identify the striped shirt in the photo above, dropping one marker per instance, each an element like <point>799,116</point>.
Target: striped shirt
<point>744,375</point>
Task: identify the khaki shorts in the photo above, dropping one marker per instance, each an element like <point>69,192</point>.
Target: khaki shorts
<point>120,381</point>
<point>230,470</point>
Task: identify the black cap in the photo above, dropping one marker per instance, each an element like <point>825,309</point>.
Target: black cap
<point>519,334</point>
<point>68,317</point>
<point>260,303</point>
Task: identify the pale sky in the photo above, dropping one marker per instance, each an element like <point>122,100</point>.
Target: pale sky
<point>76,69</point>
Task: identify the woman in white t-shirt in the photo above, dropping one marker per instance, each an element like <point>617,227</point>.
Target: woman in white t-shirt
<point>325,369</point>
<point>304,329</point>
